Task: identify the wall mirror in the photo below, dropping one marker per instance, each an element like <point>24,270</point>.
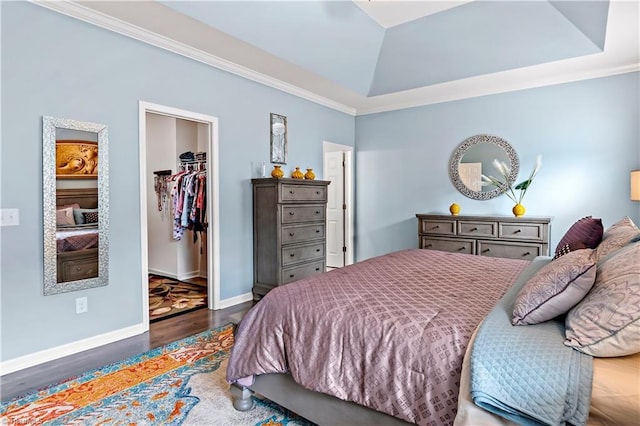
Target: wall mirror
<point>473,158</point>
<point>75,193</point>
<point>278,139</point>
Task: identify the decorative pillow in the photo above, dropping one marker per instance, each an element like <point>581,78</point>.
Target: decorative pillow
<point>65,217</point>
<point>616,236</point>
<point>555,288</point>
<point>90,217</point>
<point>584,233</point>
<point>606,323</point>
<point>78,215</point>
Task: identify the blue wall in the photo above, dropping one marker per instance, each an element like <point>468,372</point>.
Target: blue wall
<point>58,66</point>
<point>587,133</point>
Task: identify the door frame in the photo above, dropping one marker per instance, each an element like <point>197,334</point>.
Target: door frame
<point>348,192</point>
<point>213,205</point>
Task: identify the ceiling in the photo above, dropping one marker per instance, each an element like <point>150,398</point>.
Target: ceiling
<point>369,56</point>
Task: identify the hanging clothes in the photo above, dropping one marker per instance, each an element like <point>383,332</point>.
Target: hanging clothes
<point>188,201</point>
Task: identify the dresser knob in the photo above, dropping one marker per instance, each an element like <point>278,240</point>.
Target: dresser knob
<point>292,255</point>
<point>290,213</point>
<point>291,192</point>
<point>436,227</point>
<point>486,250</point>
<point>317,231</point>
<point>317,269</point>
<point>291,234</point>
<point>526,254</point>
<point>318,192</point>
<point>291,276</point>
<point>428,245</point>
<point>517,231</point>
<point>77,269</point>
<point>462,248</point>
<point>318,250</point>
<point>474,229</point>
<point>317,212</point>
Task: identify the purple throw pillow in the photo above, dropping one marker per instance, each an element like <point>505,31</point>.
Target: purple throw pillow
<point>584,233</point>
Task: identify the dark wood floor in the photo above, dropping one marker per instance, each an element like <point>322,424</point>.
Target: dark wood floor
<point>160,333</point>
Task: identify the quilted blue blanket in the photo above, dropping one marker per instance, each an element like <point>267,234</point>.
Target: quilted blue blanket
<point>525,373</point>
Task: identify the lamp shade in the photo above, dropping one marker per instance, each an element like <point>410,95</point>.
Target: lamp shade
<point>635,185</point>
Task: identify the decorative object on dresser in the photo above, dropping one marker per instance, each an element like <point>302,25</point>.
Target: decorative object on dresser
<point>454,209</point>
<point>495,236</point>
<point>297,174</point>
<point>310,175</point>
<point>288,231</point>
<point>277,172</point>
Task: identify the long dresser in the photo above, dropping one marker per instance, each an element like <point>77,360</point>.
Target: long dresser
<point>496,236</point>
<point>289,235</point>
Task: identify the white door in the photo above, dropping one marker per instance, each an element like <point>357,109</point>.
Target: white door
<point>334,172</point>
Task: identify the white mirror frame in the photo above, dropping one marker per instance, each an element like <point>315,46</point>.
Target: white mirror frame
<point>49,126</point>
<point>459,153</point>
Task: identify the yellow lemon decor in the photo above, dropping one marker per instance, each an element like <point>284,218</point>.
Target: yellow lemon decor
<point>277,172</point>
<point>454,209</point>
<point>310,175</point>
<point>297,174</point>
<point>518,210</point>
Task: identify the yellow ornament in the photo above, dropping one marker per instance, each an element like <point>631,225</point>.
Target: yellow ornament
<point>297,174</point>
<point>518,210</point>
<point>454,209</point>
<point>277,172</point>
<point>310,175</point>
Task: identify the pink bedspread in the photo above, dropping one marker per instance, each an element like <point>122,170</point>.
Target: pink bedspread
<point>76,240</point>
<point>388,333</point>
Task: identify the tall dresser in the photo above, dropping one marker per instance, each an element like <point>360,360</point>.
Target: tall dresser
<point>289,235</point>
<point>496,236</point>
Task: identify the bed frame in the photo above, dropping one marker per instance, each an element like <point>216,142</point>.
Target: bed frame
<point>66,262</point>
<point>319,408</point>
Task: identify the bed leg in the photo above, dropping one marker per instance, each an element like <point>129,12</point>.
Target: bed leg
<point>242,400</point>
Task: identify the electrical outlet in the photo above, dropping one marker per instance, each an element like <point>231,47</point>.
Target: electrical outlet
<point>9,217</point>
<point>82,305</point>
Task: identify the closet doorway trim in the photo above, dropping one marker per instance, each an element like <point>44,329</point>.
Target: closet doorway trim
<point>213,205</point>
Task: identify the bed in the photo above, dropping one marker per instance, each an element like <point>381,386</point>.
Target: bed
<point>76,234</point>
<point>389,341</point>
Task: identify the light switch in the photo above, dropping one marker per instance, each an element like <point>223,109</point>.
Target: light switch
<point>9,217</point>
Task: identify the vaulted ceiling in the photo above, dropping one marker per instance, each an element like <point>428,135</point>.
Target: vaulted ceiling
<point>378,55</point>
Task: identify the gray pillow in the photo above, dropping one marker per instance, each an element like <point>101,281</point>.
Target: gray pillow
<point>78,215</point>
<point>555,288</point>
<point>606,323</point>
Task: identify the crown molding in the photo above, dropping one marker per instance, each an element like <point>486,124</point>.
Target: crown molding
<point>110,23</point>
<point>491,84</point>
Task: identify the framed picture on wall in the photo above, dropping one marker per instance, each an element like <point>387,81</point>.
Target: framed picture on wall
<point>76,159</point>
<point>278,139</point>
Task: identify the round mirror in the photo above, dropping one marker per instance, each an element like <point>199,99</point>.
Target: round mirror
<point>473,158</point>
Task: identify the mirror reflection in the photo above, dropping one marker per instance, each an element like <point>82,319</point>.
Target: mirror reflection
<point>75,197</point>
<point>473,158</point>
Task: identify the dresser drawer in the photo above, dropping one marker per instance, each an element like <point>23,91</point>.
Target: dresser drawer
<point>521,251</point>
<point>296,234</point>
<point>440,227</point>
<point>295,214</point>
<point>295,254</point>
<point>477,229</point>
<point>292,193</point>
<point>299,272</point>
<point>522,231</point>
<point>80,269</point>
<point>455,245</point>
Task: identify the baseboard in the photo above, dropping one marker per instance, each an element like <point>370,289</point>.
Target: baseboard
<point>30,360</point>
<point>163,273</point>
<point>236,300</point>
<point>182,277</point>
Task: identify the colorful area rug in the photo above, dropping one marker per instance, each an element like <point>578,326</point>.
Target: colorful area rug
<point>182,383</point>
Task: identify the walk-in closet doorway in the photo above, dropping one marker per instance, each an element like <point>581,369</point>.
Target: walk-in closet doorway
<point>171,140</point>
